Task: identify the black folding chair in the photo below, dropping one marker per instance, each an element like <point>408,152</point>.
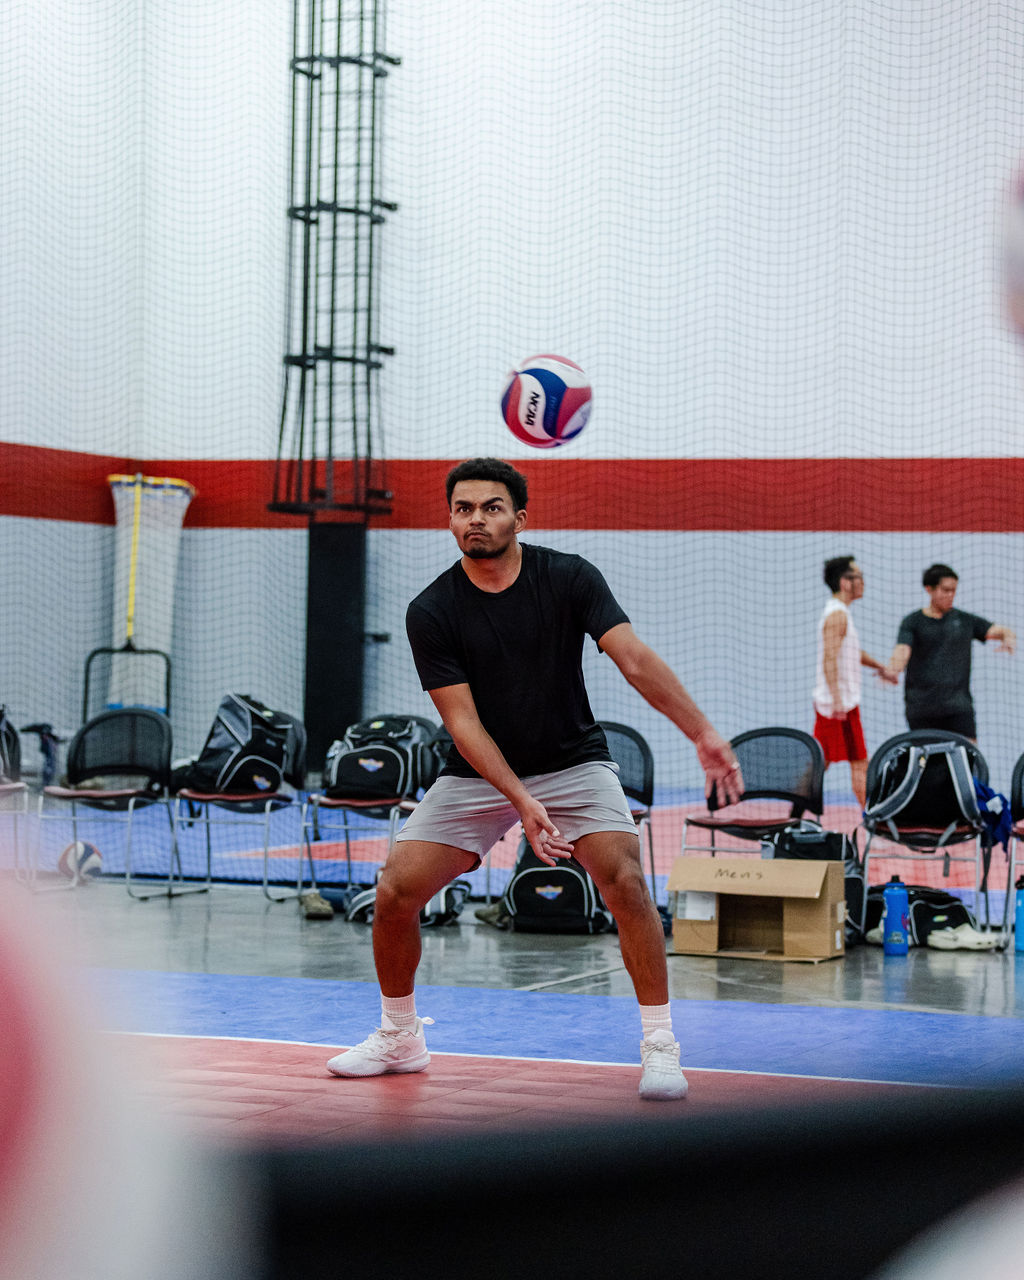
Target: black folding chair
<point>323,814</point>
<point>778,764</point>
<point>931,811</point>
<point>118,763</point>
<point>194,807</point>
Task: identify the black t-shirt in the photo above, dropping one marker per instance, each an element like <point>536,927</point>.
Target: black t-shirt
<point>521,653</point>
<point>938,679</point>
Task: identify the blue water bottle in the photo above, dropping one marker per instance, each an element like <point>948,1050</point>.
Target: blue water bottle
<point>1018,917</point>
<point>896,918</point>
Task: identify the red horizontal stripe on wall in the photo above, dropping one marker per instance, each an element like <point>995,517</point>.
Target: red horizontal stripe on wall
<point>850,494</point>
<point>55,484</point>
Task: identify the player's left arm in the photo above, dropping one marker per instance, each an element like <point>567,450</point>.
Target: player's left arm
<point>655,680</point>
<point>1005,637</point>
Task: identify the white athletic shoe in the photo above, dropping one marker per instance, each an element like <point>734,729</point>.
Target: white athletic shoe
<point>662,1077</point>
<point>387,1051</point>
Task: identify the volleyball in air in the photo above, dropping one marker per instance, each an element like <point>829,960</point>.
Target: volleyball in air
<point>80,861</point>
<point>546,401</point>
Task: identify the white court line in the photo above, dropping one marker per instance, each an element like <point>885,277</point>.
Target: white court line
<point>575,1062</point>
<point>575,977</point>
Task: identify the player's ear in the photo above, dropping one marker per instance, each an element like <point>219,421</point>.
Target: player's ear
<point>520,524</point>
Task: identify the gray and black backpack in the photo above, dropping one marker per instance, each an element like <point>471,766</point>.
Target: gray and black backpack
<point>246,751</point>
<point>559,899</point>
<point>385,757</point>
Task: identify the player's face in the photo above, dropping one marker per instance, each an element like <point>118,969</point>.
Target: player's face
<point>853,581</point>
<point>483,519</point>
<point>943,595</point>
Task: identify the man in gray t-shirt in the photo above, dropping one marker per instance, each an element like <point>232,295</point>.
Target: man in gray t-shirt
<point>934,647</point>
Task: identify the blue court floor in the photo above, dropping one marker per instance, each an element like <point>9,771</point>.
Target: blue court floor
<point>891,1045</point>
<point>228,964</point>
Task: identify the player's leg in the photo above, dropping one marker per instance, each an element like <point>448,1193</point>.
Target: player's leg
<point>859,780</point>
<point>613,860</point>
<point>856,752</point>
<point>454,824</point>
<point>447,834</point>
<point>414,872</point>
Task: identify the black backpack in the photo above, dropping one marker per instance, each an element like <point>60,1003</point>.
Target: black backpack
<point>381,758</point>
<point>929,909</point>
<point>10,749</point>
<point>246,750</point>
<point>928,785</point>
<point>559,899</point>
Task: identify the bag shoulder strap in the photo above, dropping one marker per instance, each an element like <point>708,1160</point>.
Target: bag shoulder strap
<point>886,806</point>
<point>963,781</point>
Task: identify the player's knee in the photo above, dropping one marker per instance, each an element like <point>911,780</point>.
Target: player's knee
<point>396,896</point>
<point>625,889</point>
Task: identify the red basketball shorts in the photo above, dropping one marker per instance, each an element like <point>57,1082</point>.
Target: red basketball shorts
<point>841,739</point>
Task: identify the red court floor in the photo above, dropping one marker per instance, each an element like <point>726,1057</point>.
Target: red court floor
<point>268,1091</point>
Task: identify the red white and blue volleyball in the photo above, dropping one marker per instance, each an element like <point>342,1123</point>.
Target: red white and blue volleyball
<point>80,862</point>
<point>546,401</point>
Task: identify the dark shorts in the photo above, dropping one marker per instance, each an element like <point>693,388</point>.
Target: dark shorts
<point>955,722</point>
<point>841,739</point>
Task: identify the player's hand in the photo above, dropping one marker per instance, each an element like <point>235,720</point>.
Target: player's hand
<point>1008,644</point>
<point>890,677</point>
<point>547,841</point>
<point>721,768</point>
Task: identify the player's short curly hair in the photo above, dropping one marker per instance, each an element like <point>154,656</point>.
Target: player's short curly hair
<point>834,571</point>
<point>489,469</point>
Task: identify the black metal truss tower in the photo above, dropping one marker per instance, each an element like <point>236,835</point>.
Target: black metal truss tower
<point>329,455</point>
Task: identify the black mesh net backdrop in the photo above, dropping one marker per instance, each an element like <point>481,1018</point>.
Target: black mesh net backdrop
<point>772,235</point>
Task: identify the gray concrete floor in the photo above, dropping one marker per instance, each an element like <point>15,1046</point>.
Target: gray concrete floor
<point>234,930</point>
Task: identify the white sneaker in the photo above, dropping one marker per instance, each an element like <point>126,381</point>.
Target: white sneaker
<point>388,1051</point>
<point>662,1077</point>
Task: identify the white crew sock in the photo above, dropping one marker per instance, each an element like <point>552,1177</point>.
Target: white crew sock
<point>400,1011</point>
<point>656,1017</point>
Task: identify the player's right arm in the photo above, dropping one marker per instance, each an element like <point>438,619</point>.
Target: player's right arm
<point>899,659</point>
<point>905,639</point>
<point>457,709</point>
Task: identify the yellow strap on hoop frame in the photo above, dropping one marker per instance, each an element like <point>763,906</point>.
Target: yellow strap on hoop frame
<point>138,483</point>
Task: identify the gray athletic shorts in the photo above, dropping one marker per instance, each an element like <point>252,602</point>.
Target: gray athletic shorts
<point>470,814</point>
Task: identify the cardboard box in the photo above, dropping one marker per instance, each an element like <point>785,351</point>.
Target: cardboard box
<point>758,909</point>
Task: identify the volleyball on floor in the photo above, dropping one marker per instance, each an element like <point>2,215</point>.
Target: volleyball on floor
<point>80,861</point>
<point>546,401</point>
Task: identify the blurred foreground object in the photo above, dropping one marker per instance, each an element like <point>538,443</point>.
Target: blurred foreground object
<point>92,1187</point>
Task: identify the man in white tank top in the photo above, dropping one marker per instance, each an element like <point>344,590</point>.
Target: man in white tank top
<point>838,683</point>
